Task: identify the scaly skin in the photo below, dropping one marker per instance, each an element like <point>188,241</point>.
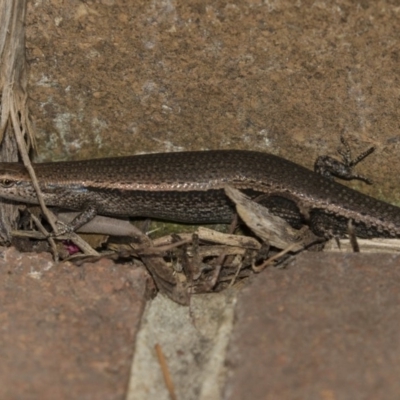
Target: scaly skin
<point>189,187</point>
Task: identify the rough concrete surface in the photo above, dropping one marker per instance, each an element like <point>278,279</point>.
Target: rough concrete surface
<point>194,340</point>
<point>67,332</point>
<point>113,77</point>
<point>326,328</point>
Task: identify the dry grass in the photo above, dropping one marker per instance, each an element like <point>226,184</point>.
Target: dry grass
<point>13,74</point>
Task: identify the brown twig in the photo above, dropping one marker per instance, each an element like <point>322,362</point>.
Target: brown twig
<point>165,371</point>
<point>270,260</point>
<point>19,136</point>
<point>162,249</point>
<point>44,232</point>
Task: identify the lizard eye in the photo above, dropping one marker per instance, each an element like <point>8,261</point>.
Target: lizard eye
<point>6,183</point>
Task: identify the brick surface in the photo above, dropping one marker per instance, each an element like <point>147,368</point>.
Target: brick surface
<point>67,332</point>
<point>327,327</point>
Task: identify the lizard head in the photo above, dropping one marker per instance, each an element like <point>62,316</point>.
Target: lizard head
<point>15,183</point>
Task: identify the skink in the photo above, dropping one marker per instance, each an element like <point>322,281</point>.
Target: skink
<point>189,187</point>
